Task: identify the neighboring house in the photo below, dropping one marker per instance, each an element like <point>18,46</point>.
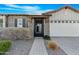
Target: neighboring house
<point>61,22</point>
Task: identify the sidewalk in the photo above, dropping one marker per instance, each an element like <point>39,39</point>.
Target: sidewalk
<point>38,47</point>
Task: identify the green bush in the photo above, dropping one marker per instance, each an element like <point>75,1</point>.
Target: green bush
<point>4,46</point>
<point>46,37</point>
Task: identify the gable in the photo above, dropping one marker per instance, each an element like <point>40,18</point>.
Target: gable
<point>65,15</point>
<point>63,8</point>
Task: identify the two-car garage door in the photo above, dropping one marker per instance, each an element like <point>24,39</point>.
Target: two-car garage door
<point>64,28</point>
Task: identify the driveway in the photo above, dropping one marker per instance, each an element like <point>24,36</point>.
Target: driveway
<point>69,44</point>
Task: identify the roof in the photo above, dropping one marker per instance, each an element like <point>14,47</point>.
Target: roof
<point>65,7</point>
<point>39,16</point>
<point>14,14</point>
<point>31,16</point>
<point>24,15</point>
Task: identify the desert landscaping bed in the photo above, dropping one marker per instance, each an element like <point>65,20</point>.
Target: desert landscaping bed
<point>20,47</point>
<point>52,52</point>
<point>21,40</point>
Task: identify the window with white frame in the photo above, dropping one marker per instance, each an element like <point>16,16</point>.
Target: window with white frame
<point>62,21</point>
<point>20,22</point>
<point>1,22</point>
<point>65,21</point>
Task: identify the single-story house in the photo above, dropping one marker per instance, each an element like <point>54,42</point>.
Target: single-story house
<point>63,22</point>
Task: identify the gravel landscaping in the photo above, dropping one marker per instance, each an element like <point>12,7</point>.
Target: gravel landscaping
<point>20,47</point>
<point>52,52</point>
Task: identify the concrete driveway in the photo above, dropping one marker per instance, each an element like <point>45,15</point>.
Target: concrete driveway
<point>69,44</point>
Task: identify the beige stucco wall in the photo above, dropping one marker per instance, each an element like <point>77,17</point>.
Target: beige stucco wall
<point>64,29</point>
<point>32,27</point>
<point>46,26</point>
<point>4,20</point>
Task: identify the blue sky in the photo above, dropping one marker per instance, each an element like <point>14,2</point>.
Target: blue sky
<point>31,8</point>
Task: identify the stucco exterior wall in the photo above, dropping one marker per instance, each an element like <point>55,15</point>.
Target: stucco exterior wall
<point>4,20</point>
<point>31,26</point>
<point>46,26</point>
<point>64,29</point>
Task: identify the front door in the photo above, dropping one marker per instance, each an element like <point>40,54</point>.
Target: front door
<point>38,28</point>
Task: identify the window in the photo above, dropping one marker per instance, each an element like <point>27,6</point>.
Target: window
<point>51,21</point>
<point>38,28</point>
<point>70,21</point>
<point>1,22</point>
<point>19,22</point>
<point>59,21</point>
<point>66,21</point>
<point>62,21</point>
<point>55,21</point>
<point>74,21</point>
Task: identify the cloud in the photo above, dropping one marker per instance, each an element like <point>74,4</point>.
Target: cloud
<point>23,7</point>
<point>27,9</point>
<point>12,5</point>
<point>38,11</point>
<point>8,9</point>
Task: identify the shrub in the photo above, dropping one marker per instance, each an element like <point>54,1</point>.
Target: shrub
<point>4,46</point>
<point>46,37</point>
<point>53,45</point>
<point>17,33</point>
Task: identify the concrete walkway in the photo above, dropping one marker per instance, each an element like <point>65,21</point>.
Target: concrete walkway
<point>38,47</point>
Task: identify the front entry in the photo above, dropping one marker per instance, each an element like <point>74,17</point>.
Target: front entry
<point>38,28</point>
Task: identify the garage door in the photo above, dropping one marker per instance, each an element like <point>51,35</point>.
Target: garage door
<point>67,28</point>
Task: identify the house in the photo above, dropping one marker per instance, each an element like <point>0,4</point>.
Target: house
<point>63,22</point>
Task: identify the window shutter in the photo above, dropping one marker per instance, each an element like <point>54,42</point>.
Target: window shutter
<point>15,22</point>
<point>6,21</point>
<point>24,22</point>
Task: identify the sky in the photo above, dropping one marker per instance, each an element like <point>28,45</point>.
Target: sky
<point>31,8</point>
